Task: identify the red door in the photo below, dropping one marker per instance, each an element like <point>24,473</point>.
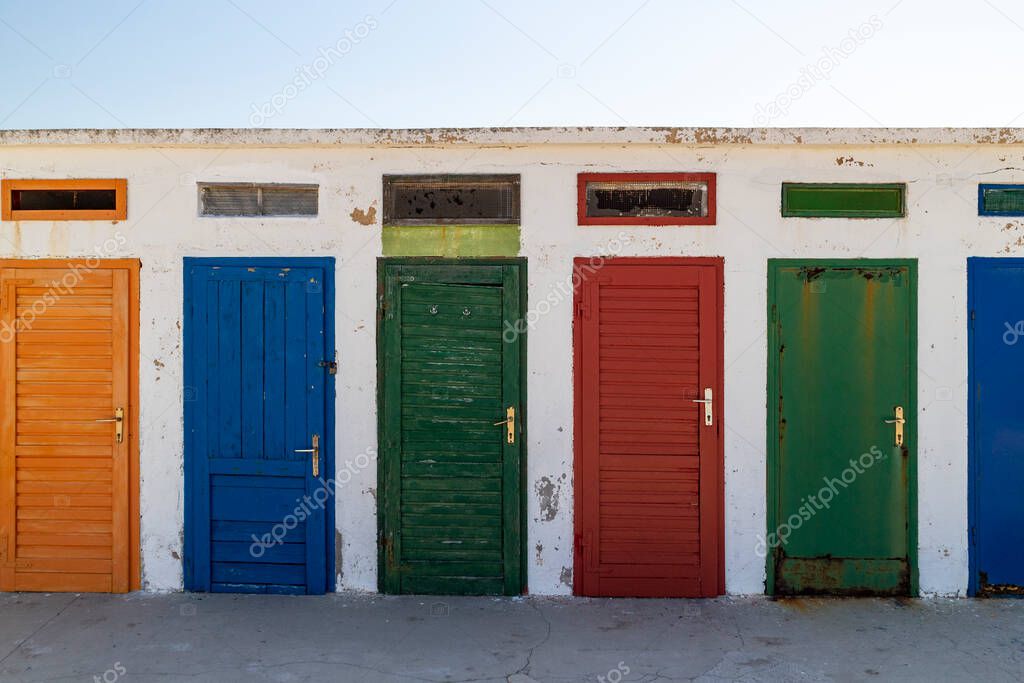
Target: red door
<point>648,456</point>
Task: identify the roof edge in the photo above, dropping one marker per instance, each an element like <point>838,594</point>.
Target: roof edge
<point>510,136</point>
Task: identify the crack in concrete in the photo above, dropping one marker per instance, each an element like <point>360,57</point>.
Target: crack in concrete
<point>523,670</point>
<point>30,636</point>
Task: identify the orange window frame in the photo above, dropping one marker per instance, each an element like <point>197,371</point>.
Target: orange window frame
<point>119,185</point>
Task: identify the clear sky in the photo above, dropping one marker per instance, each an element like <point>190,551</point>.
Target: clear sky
<point>414,63</point>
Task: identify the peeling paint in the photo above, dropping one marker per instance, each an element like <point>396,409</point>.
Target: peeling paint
<point>850,161</point>
<point>368,217</point>
<point>1014,245</point>
<point>565,578</point>
<point>548,496</point>
<point>510,137</point>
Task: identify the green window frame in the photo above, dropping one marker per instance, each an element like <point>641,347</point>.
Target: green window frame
<point>844,200</point>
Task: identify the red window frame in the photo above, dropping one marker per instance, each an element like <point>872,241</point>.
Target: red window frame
<point>581,198</point>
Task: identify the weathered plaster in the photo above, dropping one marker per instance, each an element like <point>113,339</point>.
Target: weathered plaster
<point>511,137</point>
<point>942,229</point>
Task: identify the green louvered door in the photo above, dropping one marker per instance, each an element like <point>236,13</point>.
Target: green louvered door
<point>450,363</point>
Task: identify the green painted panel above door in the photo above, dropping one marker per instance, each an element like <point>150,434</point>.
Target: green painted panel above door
<point>842,358</point>
<point>844,200</point>
<point>451,240</point>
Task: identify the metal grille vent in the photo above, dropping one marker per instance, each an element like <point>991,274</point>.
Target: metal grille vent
<point>250,199</point>
<point>656,199</point>
<point>451,199</point>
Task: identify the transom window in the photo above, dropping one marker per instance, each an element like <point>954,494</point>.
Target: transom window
<point>64,200</point>
<point>451,199</point>
<point>646,198</point>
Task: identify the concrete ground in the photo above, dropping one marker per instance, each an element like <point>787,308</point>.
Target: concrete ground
<point>225,638</point>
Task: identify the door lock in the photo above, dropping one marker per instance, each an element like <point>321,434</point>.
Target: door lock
<point>510,425</point>
<point>118,421</point>
<point>315,450</point>
<point>899,421</point>
<point>708,413</point>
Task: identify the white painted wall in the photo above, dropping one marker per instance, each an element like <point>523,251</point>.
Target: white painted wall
<point>942,229</point>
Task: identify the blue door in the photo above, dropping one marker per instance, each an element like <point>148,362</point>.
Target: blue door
<point>259,393</point>
<point>996,301</point>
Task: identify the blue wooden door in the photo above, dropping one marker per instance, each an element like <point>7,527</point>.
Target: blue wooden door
<point>996,294</point>
<point>259,499</point>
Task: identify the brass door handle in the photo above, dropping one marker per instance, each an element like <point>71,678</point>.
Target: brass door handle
<point>118,421</point>
<point>899,421</point>
<point>708,402</point>
<point>315,450</point>
<point>510,425</point>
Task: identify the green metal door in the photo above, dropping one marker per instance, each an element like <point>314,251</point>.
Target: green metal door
<point>451,416</point>
<point>842,367</point>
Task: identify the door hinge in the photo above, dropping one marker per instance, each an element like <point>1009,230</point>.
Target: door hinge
<point>3,547</point>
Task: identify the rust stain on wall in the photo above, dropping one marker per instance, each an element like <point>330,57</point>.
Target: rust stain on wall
<point>850,161</point>
<point>1014,245</point>
<point>16,238</point>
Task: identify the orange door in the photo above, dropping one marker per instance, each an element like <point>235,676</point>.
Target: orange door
<point>67,438</point>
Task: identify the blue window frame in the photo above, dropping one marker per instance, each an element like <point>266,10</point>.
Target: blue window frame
<point>1000,199</point>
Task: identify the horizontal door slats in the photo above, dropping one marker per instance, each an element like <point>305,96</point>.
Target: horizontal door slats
<point>65,375</point>
<point>68,368</point>
<point>79,513</point>
<point>67,362</point>
<point>69,499</point>
<point>65,565</point>
<point>85,350</point>
<point>450,460</point>
<point>70,324</point>
<point>642,358</point>
<point>69,582</point>
<point>56,552</point>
